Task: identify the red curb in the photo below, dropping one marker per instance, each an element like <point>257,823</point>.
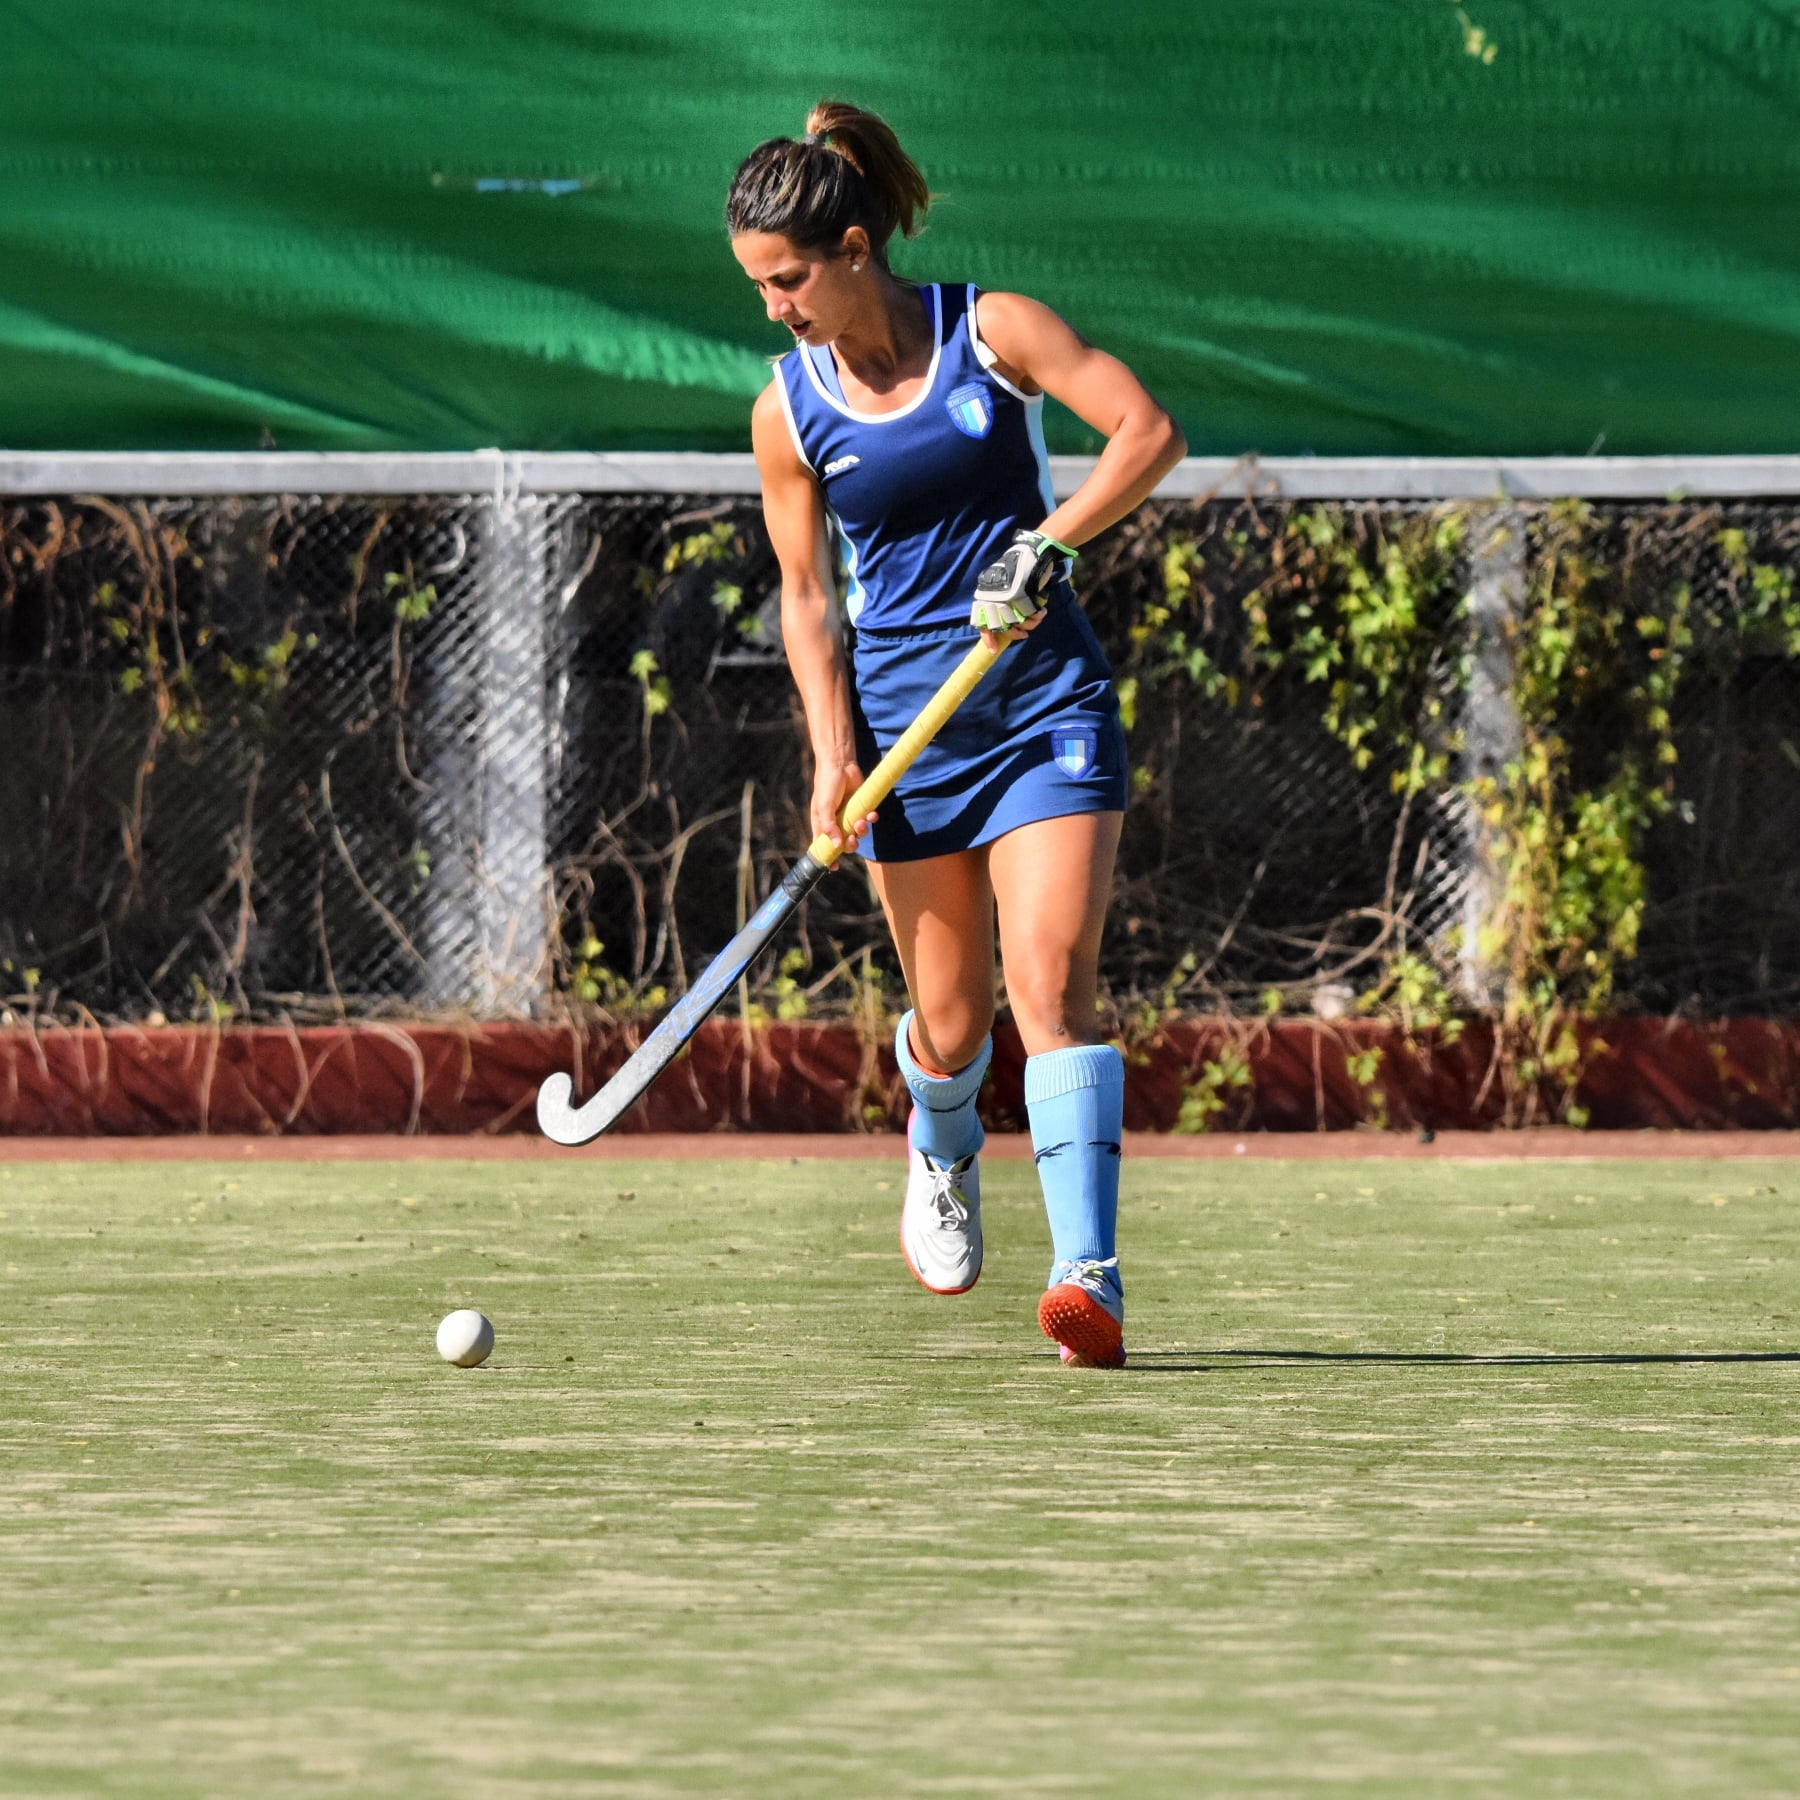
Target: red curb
<point>459,1079</point>
<point>1548,1144</point>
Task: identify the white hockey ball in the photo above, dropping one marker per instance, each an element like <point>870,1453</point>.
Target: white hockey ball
<point>465,1337</point>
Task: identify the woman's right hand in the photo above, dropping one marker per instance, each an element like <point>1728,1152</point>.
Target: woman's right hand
<point>834,781</point>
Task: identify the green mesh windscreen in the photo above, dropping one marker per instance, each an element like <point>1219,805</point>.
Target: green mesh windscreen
<point>1329,225</point>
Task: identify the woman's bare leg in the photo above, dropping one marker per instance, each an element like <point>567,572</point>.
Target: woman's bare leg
<point>1053,881</point>
<point>940,912</point>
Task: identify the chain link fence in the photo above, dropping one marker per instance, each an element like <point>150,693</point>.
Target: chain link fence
<point>1721,931</point>
<point>317,757</point>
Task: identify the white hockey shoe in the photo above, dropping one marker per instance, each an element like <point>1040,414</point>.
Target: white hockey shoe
<point>940,1222</point>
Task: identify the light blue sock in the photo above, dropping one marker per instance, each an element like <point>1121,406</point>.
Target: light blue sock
<point>945,1126</point>
<point>1076,1102</point>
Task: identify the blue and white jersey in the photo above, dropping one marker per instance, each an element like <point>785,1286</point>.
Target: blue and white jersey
<point>925,497</point>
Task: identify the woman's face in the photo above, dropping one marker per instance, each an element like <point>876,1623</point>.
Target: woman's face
<point>812,292</point>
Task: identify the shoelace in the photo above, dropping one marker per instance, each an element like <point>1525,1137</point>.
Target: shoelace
<point>1090,1273</point>
<point>945,1198</point>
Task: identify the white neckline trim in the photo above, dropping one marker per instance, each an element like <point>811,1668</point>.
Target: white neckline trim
<point>899,412</point>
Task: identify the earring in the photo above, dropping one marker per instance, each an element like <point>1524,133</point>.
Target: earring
<point>855,268</point>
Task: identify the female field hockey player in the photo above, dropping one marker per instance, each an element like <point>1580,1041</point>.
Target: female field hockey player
<point>904,431</point>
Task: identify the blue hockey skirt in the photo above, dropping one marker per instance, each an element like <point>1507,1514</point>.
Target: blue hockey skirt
<point>1040,738</point>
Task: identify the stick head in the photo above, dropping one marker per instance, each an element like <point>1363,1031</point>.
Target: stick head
<point>557,1116</point>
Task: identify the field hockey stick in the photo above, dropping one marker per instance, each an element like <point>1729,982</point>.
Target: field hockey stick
<point>564,1122</point>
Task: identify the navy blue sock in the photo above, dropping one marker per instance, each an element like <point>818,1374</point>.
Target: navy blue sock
<point>1076,1102</point>
<point>944,1126</point>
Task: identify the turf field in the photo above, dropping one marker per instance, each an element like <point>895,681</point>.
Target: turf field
<point>1426,1479</point>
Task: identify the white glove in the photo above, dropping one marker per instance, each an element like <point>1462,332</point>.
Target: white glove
<point>1012,590</point>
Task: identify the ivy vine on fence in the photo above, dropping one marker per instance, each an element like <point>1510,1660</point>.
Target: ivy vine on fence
<point>1369,608</point>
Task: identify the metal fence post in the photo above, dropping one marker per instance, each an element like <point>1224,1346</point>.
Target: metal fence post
<point>487,921</point>
<point>1491,733</point>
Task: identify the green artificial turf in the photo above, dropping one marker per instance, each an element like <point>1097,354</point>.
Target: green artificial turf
<point>1425,1479</point>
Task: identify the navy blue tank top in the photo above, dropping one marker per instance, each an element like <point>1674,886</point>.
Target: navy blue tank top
<point>924,498</point>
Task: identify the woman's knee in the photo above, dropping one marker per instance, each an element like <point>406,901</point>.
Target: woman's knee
<point>1052,1001</point>
<point>948,1034</point>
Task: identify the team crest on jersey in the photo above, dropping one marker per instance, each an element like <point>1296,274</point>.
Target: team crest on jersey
<point>971,409</point>
<point>1073,746</point>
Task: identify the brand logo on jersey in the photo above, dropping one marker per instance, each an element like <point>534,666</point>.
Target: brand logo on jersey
<point>841,464</point>
<point>1073,746</point>
<point>971,409</point>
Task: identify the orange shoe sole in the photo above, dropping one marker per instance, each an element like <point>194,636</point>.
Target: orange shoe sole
<point>1090,1336</point>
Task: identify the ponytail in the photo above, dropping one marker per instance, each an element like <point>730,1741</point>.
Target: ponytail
<point>848,170</point>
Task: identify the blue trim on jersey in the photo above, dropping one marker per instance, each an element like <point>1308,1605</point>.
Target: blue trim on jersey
<point>924,497</point>
<point>826,364</point>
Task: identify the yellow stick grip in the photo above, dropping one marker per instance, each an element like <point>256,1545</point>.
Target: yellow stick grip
<point>961,684</point>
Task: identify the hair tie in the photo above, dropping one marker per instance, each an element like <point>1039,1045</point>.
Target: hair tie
<point>813,137</point>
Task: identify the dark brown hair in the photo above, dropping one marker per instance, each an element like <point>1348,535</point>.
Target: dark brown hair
<point>848,170</point>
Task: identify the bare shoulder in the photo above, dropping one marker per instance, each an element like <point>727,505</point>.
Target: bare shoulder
<point>1016,323</point>
<point>770,438</point>
<point>767,410</point>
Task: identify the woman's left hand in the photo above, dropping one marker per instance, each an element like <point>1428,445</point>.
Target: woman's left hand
<point>1012,592</point>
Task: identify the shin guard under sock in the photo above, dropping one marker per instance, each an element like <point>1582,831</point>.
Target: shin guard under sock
<point>1076,1102</point>
<point>944,1125</point>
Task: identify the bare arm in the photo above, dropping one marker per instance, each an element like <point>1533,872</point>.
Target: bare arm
<point>1038,351</point>
<point>795,515</point>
